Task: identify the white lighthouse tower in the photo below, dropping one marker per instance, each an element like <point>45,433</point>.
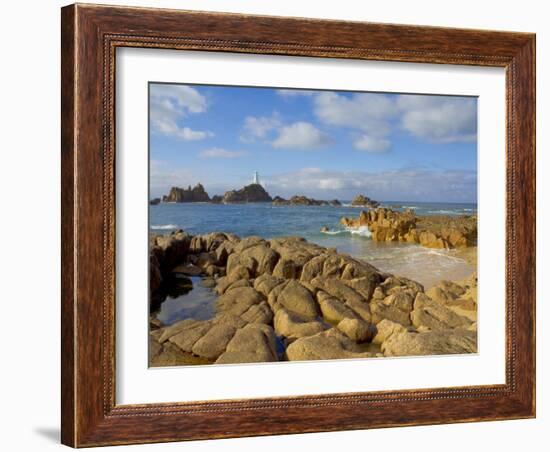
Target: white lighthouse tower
<point>256,178</point>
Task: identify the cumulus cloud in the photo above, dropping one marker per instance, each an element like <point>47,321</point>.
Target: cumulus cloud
<point>371,144</point>
<point>368,112</point>
<point>374,116</point>
<point>169,104</point>
<point>403,184</point>
<point>300,135</point>
<point>440,119</point>
<point>221,153</point>
<point>259,127</point>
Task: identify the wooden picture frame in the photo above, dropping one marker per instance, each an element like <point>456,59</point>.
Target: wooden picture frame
<point>90,36</point>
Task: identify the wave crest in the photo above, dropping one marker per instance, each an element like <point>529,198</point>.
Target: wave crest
<point>164,226</point>
<point>363,231</point>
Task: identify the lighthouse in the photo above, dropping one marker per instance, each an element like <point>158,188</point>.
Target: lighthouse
<point>256,178</point>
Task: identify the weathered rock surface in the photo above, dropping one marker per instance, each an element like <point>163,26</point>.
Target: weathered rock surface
<point>441,342</point>
<point>330,344</point>
<point>195,194</point>
<point>435,316</point>
<point>300,200</point>
<point>249,193</point>
<point>252,343</point>
<point>356,329</point>
<point>387,225</point>
<point>364,201</point>
<point>319,303</point>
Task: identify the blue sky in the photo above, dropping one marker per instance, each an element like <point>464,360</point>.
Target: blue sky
<point>324,144</point>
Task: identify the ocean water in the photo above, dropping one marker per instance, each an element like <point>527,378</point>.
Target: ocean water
<point>427,266</point>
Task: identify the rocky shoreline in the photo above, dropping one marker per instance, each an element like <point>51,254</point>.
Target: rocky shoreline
<point>253,193</point>
<point>440,231</point>
<point>289,299</point>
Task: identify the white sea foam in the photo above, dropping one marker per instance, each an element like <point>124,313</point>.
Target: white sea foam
<point>444,212</point>
<point>363,231</point>
<point>335,232</point>
<point>164,226</point>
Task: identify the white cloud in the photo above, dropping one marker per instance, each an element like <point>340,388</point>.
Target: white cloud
<point>367,112</point>
<point>162,176</point>
<point>371,144</point>
<point>300,135</point>
<point>440,119</point>
<point>169,104</point>
<point>221,153</point>
<point>259,127</point>
<point>404,184</point>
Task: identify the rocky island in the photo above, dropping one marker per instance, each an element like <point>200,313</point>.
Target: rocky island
<point>299,200</point>
<point>249,193</point>
<point>442,231</point>
<point>364,201</point>
<point>289,299</point>
<point>195,194</point>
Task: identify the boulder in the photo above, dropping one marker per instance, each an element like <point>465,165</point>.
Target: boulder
<point>329,344</point>
<point>313,267</point>
<point>443,342</point>
<point>356,329</point>
<point>341,291</point>
<point>214,342</point>
<point>266,283</point>
<point>170,355</point>
<point>435,316</point>
<point>258,313</point>
<point>252,343</point>
<point>385,328</point>
<point>238,300</point>
<point>187,336</point>
<point>263,256</point>
<point>333,310</point>
<point>298,299</point>
<point>293,326</point>
<point>173,248</point>
<point>286,269</point>
<point>169,331</point>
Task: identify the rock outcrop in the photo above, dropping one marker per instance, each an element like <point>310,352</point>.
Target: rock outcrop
<point>249,193</point>
<point>300,200</point>
<point>154,201</point>
<point>364,201</point>
<point>288,299</point>
<point>387,225</point>
<point>195,194</point>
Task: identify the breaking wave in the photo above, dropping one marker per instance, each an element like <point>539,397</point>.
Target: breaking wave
<point>363,231</point>
<point>164,226</point>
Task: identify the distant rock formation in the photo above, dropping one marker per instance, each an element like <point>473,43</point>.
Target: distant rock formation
<point>195,194</point>
<point>304,201</point>
<point>364,201</point>
<point>216,199</point>
<point>249,193</point>
<point>154,201</point>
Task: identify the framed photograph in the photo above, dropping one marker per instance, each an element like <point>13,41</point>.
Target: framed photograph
<point>282,225</point>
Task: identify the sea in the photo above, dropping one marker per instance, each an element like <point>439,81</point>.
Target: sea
<point>425,265</point>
